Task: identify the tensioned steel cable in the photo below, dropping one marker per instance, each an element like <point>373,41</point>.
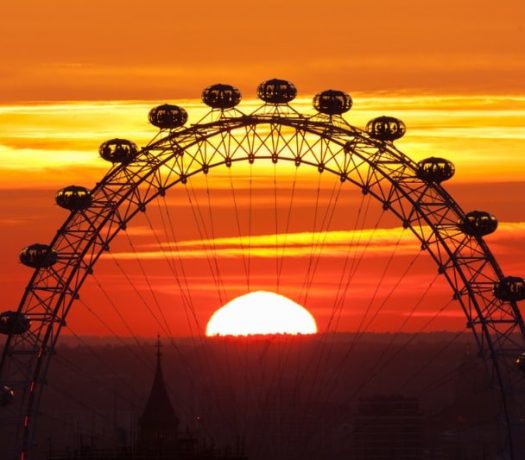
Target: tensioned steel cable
<point>383,359</point>
<point>108,367</point>
<point>239,229</point>
<point>118,312</point>
<point>100,382</point>
<point>313,240</point>
<point>134,336</point>
<point>320,389</point>
<point>227,372</point>
<point>210,251</point>
<point>135,289</point>
<point>319,245</point>
<point>212,263</point>
<point>169,257</point>
<point>113,333</point>
<point>448,377</point>
<point>338,299</point>
<point>276,228</point>
<point>286,230</point>
<point>356,259</point>
<point>323,233</point>
<point>165,326</point>
<point>227,413</point>
<point>362,330</point>
<point>316,387</point>
<point>328,385</point>
<point>324,343</point>
<point>179,274</point>
<point>380,361</point>
<point>363,325</point>
<point>101,416</point>
<point>427,363</point>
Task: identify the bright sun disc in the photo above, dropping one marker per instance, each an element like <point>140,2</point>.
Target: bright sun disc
<point>261,312</point>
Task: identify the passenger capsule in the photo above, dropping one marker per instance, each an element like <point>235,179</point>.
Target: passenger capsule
<point>510,289</point>
<point>12,322</point>
<point>221,96</point>
<point>276,91</point>
<point>168,116</point>
<point>478,223</point>
<point>7,396</point>
<point>386,128</point>
<point>520,362</point>
<point>118,151</point>
<point>74,198</point>
<point>435,169</point>
<point>332,102</point>
<point>38,256</point>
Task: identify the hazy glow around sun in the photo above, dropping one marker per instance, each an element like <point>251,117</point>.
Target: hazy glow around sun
<point>261,312</point>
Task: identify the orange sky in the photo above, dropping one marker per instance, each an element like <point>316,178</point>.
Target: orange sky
<point>133,49</point>
<point>454,72</point>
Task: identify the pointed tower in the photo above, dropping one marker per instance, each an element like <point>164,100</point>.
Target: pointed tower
<point>158,424</point>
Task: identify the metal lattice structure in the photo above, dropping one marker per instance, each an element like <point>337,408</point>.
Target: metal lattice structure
<point>276,132</point>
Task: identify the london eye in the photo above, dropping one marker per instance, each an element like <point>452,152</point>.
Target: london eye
<point>279,137</point>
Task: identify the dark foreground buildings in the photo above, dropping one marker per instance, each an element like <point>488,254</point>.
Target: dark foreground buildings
<point>281,412</point>
<point>158,436</point>
<point>388,428</point>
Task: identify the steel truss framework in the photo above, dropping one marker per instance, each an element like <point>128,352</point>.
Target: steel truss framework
<point>277,133</point>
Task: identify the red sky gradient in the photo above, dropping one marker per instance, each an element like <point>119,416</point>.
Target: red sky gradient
<point>76,73</point>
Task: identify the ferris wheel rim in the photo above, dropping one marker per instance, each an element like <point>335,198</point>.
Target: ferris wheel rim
<point>322,128</point>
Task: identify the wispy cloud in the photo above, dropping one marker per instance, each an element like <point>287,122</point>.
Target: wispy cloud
<point>303,244</point>
<point>376,242</point>
<point>65,135</point>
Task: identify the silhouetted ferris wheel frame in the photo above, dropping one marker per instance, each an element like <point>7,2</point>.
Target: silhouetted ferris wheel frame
<point>277,132</point>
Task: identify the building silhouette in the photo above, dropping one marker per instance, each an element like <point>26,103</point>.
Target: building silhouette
<point>475,412</point>
<point>158,435</point>
<point>388,428</point>
<point>158,431</point>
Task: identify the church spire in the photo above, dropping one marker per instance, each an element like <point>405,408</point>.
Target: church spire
<point>158,422</point>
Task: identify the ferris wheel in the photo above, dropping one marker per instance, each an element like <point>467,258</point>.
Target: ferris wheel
<point>274,134</point>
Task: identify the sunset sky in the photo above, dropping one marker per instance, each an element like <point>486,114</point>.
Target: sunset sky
<point>133,49</point>
<point>74,74</point>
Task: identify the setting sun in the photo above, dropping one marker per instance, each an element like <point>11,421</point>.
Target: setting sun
<point>261,312</point>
